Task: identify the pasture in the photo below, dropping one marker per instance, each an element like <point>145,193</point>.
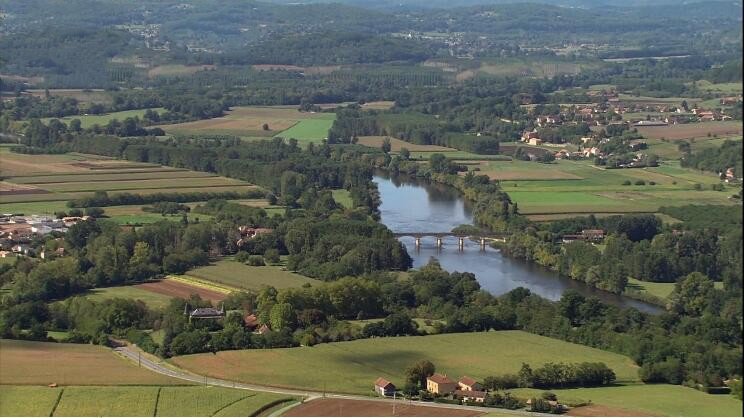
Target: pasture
<point>669,149</point>
<point>649,400</point>
<point>241,276</point>
<point>343,198</point>
<point>42,363</point>
<point>351,366</point>
<point>248,122</point>
<point>134,401</point>
<point>692,130</point>
<point>576,187</point>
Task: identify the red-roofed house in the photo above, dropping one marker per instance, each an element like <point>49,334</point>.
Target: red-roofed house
<point>468,383</point>
<point>383,387</point>
<point>440,384</point>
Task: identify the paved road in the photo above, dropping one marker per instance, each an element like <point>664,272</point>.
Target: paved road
<point>144,360</point>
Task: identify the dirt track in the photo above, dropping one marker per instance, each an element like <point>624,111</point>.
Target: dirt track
<point>355,408</point>
<point>181,290</point>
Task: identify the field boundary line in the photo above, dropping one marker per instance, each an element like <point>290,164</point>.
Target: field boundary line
<point>56,403</point>
<point>268,406</point>
<point>231,404</point>
<point>204,284</point>
<point>157,402</point>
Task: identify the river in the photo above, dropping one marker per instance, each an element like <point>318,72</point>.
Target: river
<point>410,205</point>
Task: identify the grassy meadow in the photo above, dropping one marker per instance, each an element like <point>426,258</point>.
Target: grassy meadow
<point>133,401</point>
<point>151,299</point>
<point>351,367</point>
<point>241,276</point>
<point>310,130</point>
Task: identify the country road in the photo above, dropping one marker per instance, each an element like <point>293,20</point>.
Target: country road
<point>143,360</point>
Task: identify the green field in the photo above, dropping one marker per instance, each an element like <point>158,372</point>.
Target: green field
<point>343,198</point>
<point>133,401</point>
<point>640,399</point>
<point>724,88</point>
<point>310,130</point>
<point>659,290</point>
<point>352,366</point>
<point>87,121</point>
<point>151,299</point>
<point>574,187</point>
<point>235,274</point>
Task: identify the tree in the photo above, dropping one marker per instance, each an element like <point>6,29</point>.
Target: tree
<point>265,126</point>
<point>404,153</point>
<point>419,371</point>
<point>386,145</point>
<point>692,295</point>
<point>282,316</point>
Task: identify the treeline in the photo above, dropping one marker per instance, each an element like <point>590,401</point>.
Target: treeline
<point>554,376</point>
<point>102,198</point>
<point>418,129</point>
<point>718,160</point>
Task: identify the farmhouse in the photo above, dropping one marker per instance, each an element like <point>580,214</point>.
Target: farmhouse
<point>384,387</point>
<point>471,395</point>
<point>204,313</point>
<point>469,384</point>
<point>440,384</point>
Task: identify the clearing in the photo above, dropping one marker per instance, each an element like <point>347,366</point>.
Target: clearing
<point>310,130</point>
<point>87,121</point>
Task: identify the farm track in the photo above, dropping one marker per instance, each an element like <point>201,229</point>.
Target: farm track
<point>144,360</point>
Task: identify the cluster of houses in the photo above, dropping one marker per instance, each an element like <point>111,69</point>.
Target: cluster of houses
<point>466,389</point>
<point>17,232</point>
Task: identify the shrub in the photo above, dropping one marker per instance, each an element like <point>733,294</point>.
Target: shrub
<point>640,183</point>
<point>626,183</point>
<point>256,260</point>
<point>271,256</point>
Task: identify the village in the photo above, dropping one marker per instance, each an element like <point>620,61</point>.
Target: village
<point>19,233</point>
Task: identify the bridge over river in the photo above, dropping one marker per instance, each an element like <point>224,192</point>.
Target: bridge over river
<point>439,236</point>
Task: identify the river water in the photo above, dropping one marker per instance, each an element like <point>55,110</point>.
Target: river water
<point>409,205</point>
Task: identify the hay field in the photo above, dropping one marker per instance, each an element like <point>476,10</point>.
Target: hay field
<point>41,363</point>
<point>351,366</point>
<point>246,121</point>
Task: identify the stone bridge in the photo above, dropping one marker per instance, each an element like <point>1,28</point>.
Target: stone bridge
<point>482,239</point>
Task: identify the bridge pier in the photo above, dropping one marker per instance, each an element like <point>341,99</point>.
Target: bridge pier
<point>483,244</point>
<point>418,242</point>
<point>439,242</point>
<point>461,243</point>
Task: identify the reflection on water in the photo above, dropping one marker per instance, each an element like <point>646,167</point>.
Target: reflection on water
<point>414,206</point>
